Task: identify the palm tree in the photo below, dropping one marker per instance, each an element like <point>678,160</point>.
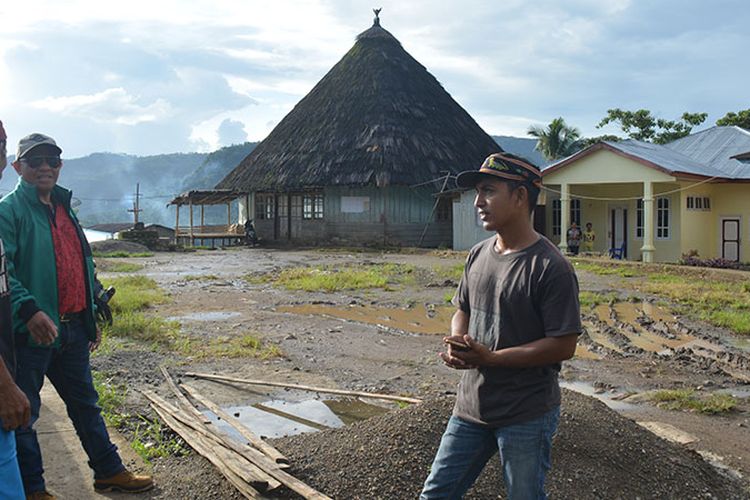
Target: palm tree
<point>557,140</point>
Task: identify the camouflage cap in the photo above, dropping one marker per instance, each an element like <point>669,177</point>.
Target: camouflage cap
<point>505,166</point>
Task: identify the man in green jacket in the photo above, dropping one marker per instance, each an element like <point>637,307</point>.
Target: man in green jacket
<point>51,276</point>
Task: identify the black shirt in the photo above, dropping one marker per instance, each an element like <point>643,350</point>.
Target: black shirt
<point>511,300</point>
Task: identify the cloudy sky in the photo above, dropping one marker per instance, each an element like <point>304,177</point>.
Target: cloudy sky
<point>148,77</point>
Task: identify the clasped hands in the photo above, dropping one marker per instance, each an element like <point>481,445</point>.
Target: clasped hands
<point>464,353</point>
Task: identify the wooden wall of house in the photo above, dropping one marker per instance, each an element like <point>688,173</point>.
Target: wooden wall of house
<point>395,215</point>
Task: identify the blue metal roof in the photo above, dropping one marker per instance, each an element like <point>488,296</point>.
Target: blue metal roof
<point>707,153</point>
<point>715,147</point>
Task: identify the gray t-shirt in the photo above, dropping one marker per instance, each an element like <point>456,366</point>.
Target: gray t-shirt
<point>514,299</point>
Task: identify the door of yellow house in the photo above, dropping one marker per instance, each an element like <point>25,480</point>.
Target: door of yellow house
<point>730,239</point>
<point>618,228</point>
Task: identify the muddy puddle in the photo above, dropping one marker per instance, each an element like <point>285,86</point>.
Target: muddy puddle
<point>632,315</point>
<point>278,418</point>
<point>206,316</point>
<point>419,319</point>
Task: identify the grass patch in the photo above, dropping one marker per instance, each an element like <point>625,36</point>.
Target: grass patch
<point>150,329</point>
<point>134,293</point>
<point>118,267</point>
<point>453,272</point>
<point>593,299</point>
<point>448,297</point>
<point>721,303</point>
<point>111,398</point>
<point>686,400</point>
<point>333,279</point>
<point>624,271</point>
<point>152,440</point>
<point>121,254</point>
<point>243,346</point>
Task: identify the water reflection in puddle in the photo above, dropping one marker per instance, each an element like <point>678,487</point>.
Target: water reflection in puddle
<point>205,316</point>
<point>606,398</point>
<point>279,418</point>
<point>420,319</point>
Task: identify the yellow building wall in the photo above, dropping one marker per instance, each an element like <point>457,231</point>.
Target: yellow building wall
<point>699,228</point>
<point>617,181</point>
<point>732,200</point>
<point>604,167</point>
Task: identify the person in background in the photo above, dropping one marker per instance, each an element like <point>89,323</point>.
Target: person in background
<point>574,238</point>
<point>15,410</point>
<point>51,274</point>
<point>589,236</point>
<point>517,318</point>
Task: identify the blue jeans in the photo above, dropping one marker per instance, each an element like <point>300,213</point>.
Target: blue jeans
<point>11,487</point>
<point>525,454</point>
<point>67,367</point>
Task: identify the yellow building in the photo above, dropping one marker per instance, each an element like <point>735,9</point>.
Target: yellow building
<point>656,202</point>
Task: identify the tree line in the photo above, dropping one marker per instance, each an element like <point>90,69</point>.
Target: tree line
<point>558,139</point>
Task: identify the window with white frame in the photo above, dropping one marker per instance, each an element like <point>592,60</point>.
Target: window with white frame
<point>701,203</point>
<point>264,206</point>
<point>556,213</point>
<point>663,217</point>
<point>312,206</point>
<point>575,211</point>
<point>639,218</point>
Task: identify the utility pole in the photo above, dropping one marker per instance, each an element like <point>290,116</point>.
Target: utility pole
<point>136,204</point>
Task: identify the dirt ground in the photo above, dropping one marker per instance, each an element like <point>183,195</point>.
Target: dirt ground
<point>388,340</point>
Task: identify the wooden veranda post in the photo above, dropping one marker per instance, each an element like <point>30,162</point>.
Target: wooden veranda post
<point>177,224</point>
<point>191,222</point>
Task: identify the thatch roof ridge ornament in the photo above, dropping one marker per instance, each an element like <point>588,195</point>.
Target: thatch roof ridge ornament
<point>376,31</point>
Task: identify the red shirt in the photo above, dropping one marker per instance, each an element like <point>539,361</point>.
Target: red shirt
<point>71,282</point>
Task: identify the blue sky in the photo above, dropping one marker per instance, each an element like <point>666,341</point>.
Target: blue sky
<point>156,77</point>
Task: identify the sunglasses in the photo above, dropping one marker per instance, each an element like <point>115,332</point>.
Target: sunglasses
<point>38,161</point>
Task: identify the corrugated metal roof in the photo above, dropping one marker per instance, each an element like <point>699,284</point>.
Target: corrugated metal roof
<point>707,153</point>
<point>666,158</point>
<point>715,147</point>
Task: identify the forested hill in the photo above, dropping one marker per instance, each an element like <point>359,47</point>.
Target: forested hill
<point>105,182</point>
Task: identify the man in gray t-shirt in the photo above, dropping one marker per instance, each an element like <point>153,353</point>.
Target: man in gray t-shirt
<point>517,319</point>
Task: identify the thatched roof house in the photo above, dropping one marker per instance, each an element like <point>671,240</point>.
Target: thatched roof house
<point>377,120</point>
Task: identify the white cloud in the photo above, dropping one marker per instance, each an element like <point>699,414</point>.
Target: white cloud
<point>113,105</point>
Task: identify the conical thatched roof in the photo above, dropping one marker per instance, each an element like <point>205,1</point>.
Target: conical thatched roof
<point>377,117</point>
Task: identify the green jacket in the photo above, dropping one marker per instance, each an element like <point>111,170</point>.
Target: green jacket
<point>26,232</point>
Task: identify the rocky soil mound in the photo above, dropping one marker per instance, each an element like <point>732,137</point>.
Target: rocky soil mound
<point>597,454</point>
<point>107,246</point>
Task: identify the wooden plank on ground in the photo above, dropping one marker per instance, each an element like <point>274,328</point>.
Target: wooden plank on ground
<point>200,446</point>
<point>182,398</point>
<point>325,390</point>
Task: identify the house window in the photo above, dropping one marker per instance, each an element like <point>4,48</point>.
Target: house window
<point>575,211</point>
<point>556,212</point>
<point>264,206</point>
<point>444,210</point>
<point>639,219</point>
<point>702,203</point>
<point>663,217</point>
<point>575,214</point>
<point>312,206</point>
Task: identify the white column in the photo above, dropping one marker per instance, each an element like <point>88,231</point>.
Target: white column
<point>647,250</point>
<point>564,216</point>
